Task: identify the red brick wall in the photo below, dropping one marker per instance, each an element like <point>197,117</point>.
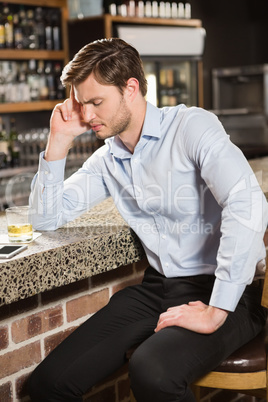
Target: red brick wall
<point>30,329</point>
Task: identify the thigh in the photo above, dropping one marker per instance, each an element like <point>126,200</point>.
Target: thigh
<point>97,347</point>
<point>170,360</point>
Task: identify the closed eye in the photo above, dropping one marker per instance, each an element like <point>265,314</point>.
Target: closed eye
<point>97,103</point>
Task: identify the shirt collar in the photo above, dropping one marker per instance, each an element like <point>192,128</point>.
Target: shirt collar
<point>151,128</point>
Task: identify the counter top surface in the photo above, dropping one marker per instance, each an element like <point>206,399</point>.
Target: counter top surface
<point>96,242</point>
<point>260,168</point>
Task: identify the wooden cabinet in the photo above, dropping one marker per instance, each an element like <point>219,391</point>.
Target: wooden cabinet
<point>27,54</point>
<point>83,31</point>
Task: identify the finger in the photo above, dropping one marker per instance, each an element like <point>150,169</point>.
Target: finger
<point>64,110</point>
<point>182,306</point>
<point>197,303</point>
<point>166,323</point>
<point>72,96</point>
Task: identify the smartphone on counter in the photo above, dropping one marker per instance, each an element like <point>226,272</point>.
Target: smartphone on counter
<point>8,251</point>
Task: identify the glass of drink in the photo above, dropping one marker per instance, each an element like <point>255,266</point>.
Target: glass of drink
<point>19,226</point>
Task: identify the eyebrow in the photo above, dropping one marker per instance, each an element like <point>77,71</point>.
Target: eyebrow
<point>92,100</point>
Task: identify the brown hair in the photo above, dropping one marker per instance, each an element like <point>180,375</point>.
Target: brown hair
<point>112,61</point>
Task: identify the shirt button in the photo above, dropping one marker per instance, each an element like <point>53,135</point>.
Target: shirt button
<point>166,264</point>
<point>136,161</point>
<point>46,172</point>
<point>164,236</point>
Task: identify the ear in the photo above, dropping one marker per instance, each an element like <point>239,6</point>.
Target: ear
<point>132,88</point>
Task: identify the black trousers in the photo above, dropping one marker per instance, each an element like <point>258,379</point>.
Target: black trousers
<point>165,363</point>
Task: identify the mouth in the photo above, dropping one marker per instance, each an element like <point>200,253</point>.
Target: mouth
<point>96,127</point>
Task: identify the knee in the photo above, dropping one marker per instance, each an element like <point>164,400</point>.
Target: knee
<point>41,385</point>
<point>37,386</point>
<point>151,380</point>
<point>34,387</point>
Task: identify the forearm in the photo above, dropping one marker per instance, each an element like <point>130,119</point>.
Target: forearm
<point>46,195</point>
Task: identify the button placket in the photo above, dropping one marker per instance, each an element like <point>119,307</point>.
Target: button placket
<point>135,165</point>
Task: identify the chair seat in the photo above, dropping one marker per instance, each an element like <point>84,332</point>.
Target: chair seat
<point>251,357</point>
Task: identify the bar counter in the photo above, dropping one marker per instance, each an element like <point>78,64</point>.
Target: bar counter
<point>94,243</point>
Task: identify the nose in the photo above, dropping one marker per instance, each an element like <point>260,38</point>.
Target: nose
<point>88,112</point>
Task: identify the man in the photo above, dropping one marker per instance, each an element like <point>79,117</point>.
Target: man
<point>175,171</point>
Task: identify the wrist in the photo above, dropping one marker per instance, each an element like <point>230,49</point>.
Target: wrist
<point>218,316</point>
<point>56,149</point>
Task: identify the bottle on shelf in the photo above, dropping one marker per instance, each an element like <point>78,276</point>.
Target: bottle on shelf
<point>48,31</point>
<point>50,81</point>
<point>18,35</point>
<point>23,86</point>
<point>8,21</point>
<point>10,74</point>
<point>187,10</point>
<point>60,90</point>
<point>43,86</point>
<point>174,10</point>
<point>14,145</point>
<point>2,83</point>
<point>31,27</point>
<point>2,30</point>
<point>181,10</point>
<point>23,23</point>
<point>33,80</point>
<point>56,39</point>
<point>40,28</point>
<point>3,146</point>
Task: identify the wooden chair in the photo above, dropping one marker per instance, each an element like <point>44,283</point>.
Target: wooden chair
<point>244,371</point>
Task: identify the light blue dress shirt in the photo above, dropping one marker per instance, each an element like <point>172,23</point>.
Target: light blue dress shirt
<point>187,191</point>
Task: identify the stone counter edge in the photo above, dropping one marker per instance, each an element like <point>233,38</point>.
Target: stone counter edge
<point>38,273</point>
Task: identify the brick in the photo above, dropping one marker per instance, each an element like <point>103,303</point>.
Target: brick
<point>19,307</point>
<point>130,282</point>
<point>13,362</point>
<point>54,340</point>
<point>36,324</point>
<point>113,275</point>
<point>21,386</point>
<point>3,337</point>
<point>85,305</point>
<point>107,394</point>
<point>64,291</point>
<point>6,392</point>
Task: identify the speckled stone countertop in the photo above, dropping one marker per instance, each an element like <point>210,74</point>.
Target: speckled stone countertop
<point>260,168</point>
<point>96,242</point>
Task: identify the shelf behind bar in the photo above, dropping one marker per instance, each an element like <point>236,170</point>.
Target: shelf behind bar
<point>143,21</point>
<point>28,106</point>
<point>41,3</point>
<point>26,54</point>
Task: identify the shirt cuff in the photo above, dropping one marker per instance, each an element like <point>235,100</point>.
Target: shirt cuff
<point>226,295</point>
<point>51,172</point>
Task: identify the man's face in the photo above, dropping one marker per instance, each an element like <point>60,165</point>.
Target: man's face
<point>103,107</point>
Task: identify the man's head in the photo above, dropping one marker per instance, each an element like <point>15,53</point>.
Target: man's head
<point>112,62</point>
